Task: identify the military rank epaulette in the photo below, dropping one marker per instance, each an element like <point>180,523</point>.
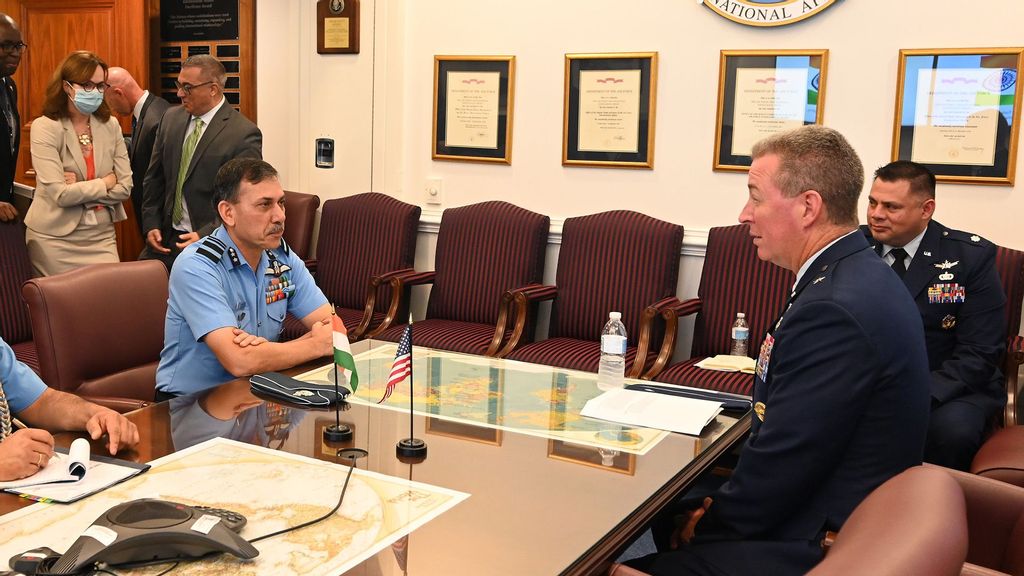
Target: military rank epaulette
<point>211,247</point>
<point>965,237</point>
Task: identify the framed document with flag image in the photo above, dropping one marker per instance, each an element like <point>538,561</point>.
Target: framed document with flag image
<point>957,112</point>
<point>608,113</point>
<point>761,93</point>
<point>473,101</point>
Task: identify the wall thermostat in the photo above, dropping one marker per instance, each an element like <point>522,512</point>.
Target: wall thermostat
<point>325,153</point>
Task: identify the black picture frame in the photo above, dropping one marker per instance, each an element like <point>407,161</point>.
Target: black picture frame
<point>643,157</point>
<point>501,150</point>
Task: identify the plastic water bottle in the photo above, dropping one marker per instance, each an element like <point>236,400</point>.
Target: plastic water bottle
<point>740,335</point>
<point>612,369</point>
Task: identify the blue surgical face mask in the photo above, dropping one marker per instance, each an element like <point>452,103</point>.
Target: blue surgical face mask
<point>88,102</point>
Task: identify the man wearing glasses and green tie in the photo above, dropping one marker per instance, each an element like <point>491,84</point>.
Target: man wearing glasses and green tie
<point>11,49</point>
<point>193,142</point>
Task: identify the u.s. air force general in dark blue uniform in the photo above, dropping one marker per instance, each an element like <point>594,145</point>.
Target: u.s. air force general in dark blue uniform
<point>954,282</point>
<point>211,287</point>
<point>841,406</point>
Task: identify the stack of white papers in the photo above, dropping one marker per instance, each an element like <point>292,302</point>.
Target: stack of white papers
<point>726,363</point>
<point>636,408</point>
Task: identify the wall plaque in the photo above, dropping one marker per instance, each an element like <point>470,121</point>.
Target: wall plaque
<point>337,26</point>
<point>191,20</point>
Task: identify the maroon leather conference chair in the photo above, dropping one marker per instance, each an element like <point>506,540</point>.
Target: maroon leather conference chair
<point>1001,457</point>
<point>484,252</point>
<point>733,280</point>
<point>915,523</point>
<point>15,269</point>
<point>995,525</point>
<point>300,209</point>
<point>99,330</point>
<point>612,261</point>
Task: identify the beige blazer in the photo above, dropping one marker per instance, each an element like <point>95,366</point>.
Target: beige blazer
<point>57,207</point>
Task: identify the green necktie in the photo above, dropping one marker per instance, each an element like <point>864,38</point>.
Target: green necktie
<point>186,159</point>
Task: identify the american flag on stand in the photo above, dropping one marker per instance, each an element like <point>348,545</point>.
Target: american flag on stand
<point>402,366</point>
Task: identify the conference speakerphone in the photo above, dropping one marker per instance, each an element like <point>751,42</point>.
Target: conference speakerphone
<point>149,531</point>
<point>146,531</point>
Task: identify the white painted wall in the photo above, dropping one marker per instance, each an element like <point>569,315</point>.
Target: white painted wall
<point>377,105</point>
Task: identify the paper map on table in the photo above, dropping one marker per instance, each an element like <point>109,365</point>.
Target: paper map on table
<point>273,490</point>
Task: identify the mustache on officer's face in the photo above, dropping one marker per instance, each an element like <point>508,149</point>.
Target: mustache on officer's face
<point>276,229</point>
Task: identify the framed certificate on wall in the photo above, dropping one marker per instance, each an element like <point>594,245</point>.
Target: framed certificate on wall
<point>761,93</point>
<point>957,112</point>
<point>609,109</point>
<point>473,101</point>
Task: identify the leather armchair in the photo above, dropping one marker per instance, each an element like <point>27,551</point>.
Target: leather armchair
<point>1001,457</point>
<point>995,524</point>
<point>915,523</point>
<point>298,229</point>
<point>99,330</point>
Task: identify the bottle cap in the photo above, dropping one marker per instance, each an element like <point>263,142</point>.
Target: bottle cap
<point>741,315</point>
<point>615,315</point>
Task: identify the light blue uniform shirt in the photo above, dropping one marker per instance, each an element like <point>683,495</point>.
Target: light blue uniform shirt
<point>21,385</point>
<point>211,287</point>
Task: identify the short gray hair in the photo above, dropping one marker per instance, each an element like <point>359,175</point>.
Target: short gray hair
<point>817,158</point>
<point>211,67</point>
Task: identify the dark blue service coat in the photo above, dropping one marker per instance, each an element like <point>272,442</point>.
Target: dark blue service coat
<point>841,402</point>
<point>965,339</point>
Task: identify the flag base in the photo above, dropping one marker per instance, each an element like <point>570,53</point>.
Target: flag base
<point>337,433</point>
<point>411,448</point>
<point>351,454</point>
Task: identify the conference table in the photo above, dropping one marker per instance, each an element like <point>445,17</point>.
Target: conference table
<point>550,491</point>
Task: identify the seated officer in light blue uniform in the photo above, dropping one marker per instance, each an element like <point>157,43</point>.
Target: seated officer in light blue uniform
<point>24,452</point>
<point>230,291</point>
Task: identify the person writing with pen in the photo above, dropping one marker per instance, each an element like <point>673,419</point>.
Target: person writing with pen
<point>25,451</point>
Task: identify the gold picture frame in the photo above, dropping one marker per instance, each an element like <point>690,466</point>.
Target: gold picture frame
<point>743,115</point>
<point>609,109</point>
<point>473,108</point>
<point>957,112</point>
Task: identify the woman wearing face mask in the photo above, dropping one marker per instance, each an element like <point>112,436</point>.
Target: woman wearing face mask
<point>82,171</point>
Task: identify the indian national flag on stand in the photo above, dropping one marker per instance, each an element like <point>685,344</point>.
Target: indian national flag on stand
<point>343,352</point>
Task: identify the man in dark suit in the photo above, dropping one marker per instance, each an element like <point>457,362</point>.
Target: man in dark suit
<point>841,385</point>
<point>126,98</point>
<point>11,49</point>
<point>953,279</point>
<point>192,143</point>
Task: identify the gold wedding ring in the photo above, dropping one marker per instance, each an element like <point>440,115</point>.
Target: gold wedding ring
<point>39,460</point>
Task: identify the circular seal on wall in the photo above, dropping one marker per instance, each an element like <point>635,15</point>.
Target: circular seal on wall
<point>767,12</point>
<point>337,6</point>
